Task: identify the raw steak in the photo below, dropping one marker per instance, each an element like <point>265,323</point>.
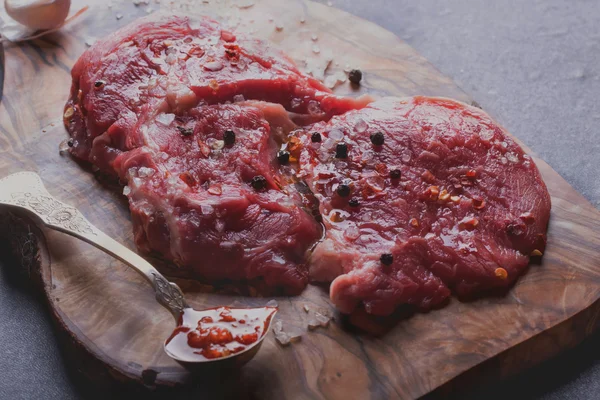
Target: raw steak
<point>432,196</point>
<point>147,105</point>
<point>195,200</point>
<point>419,197</point>
<point>170,63</point>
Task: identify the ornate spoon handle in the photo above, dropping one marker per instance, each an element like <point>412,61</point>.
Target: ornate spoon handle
<point>25,191</point>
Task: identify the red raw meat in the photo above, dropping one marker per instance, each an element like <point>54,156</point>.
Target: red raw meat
<point>173,63</point>
<point>448,194</point>
<point>193,202</point>
<point>146,104</point>
<point>432,196</point>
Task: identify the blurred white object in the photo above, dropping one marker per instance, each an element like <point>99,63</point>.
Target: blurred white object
<point>38,14</point>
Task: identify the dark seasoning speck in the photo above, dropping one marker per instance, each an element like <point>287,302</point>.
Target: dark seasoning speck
<point>354,202</point>
<point>259,182</point>
<point>341,150</point>
<point>343,190</point>
<point>386,259</point>
<point>283,156</point>
<point>185,131</point>
<point>355,76</point>
<point>229,137</point>
<point>377,139</point>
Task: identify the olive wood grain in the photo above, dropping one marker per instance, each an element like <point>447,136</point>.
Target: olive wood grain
<point>108,319</point>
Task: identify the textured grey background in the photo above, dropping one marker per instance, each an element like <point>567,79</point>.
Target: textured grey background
<point>532,63</point>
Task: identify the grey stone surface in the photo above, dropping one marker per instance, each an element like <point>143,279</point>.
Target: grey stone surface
<point>533,64</point>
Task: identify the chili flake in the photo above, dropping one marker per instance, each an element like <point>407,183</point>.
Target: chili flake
<point>471,173</point>
<point>501,273</point>
<point>478,203</point>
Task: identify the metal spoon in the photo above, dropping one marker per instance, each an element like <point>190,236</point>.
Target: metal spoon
<point>25,191</point>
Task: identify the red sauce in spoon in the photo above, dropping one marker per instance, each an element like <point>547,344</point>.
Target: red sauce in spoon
<point>217,332</point>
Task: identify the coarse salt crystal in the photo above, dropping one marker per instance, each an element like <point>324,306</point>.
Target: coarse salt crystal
<point>336,134</point>
<point>282,338</point>
<point>322,319</point>
<point>206,209</point>
<point>63,146</point>
<point>126,190</point>
<point>313,324</point>
<point>486,134</point>
<point>314,108</point>
<point>277,326</point>
<point>213,66</point>
<point>165,119</point>
<point>146,172</point>
<point>295,337</point>
<point>217,144</point>
<point>360,126</point>
<point>512,157</point>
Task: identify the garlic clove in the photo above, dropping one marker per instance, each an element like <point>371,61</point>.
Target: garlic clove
<point>38,14</point>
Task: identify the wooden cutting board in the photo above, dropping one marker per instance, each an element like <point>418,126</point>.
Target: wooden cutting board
<point>111,325</point>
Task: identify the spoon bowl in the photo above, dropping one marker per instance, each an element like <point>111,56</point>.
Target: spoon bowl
<point>25,192</point>
<point>178,347</point>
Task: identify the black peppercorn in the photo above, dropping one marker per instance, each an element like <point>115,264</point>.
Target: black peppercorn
<point>185,131</point>
<point>343,190</point>
<point>259,182</point>
<point>386,259</point>
<point>283,157</point>
<point>341,150</point>
<point>377,138</point>
<point>71,142</point>
<point>355,76</point>
<point>98,84</point>
<point>315,137</point>
<point>229,137</point>
<point>395,174</point>
<point>354,202</point>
